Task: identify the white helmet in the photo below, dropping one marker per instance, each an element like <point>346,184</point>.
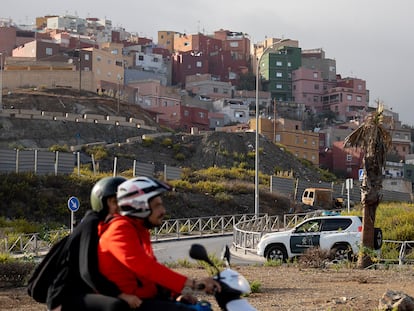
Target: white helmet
<point>134,195</point>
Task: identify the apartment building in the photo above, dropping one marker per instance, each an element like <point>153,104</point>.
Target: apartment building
<point>289,133</point>
<point>166,39</point>
<point>276,71</point>
<point>348,99</point>
<point>308,88</point>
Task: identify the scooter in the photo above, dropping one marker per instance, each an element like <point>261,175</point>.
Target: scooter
<point>233,285</point>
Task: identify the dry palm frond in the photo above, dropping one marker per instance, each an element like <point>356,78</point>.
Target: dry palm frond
<point>371,137</point>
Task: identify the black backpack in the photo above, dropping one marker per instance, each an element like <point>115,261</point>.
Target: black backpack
<point>47,270</point>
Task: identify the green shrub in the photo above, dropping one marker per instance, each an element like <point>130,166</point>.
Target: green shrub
<point>223,197</point>
<point>179,156</point>
<point>167,142</point>
<point>147,141</point>
<point>15,273</point>
<point>255,286</point>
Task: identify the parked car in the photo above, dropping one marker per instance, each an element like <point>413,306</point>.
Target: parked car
<point>340,235</point>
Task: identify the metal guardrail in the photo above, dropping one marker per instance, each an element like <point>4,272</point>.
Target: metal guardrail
<point>404,248</point>
<point>171,229</point>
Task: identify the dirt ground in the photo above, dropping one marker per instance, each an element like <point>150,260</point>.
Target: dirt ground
<point>289,288</point>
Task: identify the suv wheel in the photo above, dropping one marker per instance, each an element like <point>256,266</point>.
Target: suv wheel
<point>276,252</point>
<point>341,253</point>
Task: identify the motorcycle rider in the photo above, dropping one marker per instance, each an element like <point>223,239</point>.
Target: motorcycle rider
<point>80,285</point>
<point>125,253</point>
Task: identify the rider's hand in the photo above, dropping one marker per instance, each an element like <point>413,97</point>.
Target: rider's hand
<point>132,300</point>
<point>187,299</point>
<point>209,285</point>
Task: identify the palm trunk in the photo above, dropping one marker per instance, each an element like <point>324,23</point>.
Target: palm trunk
<point>370,198</point>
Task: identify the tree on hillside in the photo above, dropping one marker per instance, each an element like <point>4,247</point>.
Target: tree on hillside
<point>374,140</point>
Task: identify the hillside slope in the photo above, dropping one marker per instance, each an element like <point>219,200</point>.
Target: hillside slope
<point>212,149</point>
<point>196,151</point>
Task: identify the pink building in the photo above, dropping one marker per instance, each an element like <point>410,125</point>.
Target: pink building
<point>153,96</point>
<point>308,88</point>
<point>348,100</point>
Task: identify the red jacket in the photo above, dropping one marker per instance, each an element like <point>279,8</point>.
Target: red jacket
<point>126,258</point>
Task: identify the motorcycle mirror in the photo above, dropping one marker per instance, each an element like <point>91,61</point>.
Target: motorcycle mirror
<point>198,252</point>
<point>225,255</point>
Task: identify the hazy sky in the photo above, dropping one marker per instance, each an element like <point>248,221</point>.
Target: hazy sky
<point>369,39</point>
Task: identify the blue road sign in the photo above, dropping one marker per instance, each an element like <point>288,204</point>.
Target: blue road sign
<point>361,174</point>
<point>73,204</point>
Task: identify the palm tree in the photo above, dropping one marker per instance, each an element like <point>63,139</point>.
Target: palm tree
<point>374,140</point>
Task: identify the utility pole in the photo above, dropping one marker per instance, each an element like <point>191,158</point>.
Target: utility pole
<point>80,66</point>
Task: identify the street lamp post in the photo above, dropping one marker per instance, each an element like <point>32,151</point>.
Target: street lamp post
<point>1,81</point>
<point>256,175</point>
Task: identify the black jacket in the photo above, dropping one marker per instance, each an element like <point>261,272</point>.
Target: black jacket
<point>80,271</point>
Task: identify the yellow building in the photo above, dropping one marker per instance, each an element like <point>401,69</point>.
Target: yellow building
<point>303,144</point>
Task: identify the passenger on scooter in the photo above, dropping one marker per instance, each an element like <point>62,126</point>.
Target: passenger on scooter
<point>80,285</point>
<point>125,252</point>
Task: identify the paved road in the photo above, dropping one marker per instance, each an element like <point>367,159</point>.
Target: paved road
<point>169,251</point>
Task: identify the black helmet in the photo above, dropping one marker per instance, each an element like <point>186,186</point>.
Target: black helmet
<point>104,188</point>
<point>134,195</point>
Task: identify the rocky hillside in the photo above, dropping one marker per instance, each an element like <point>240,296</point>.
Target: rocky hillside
<point>196,151</point>
<point>182,150</point>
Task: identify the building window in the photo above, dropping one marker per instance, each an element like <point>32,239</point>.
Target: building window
<point>140,57</point>
<point>215,90</point>
<point>315,99</point>
<point>186,113</point>
<point>313,157</point>
<point>359,87</point>
<point>199,64</point>
<point>277,137</point>
<point>297,139</point>
<point>279,86</point>
<point>155,60</point>
<point>239,114</point>
<point>289,64</point>
<point>234,44</point>
<point>86,57</point>
<point>279,74</point>
<point>201,115</point>
<point>305,141</point>
<point>279,63</point>
<point>358,98</point>
<point>225,91</point>
<point>349,158</point>
<point>315,75</point>
<point>49,51</point>
<point>316,86</point>
<point>349,97</point>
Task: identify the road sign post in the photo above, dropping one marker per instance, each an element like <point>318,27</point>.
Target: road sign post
<point>349,185</point>
<point>73,205</point>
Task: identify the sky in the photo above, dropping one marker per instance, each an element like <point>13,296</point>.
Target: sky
<point>369,39</point>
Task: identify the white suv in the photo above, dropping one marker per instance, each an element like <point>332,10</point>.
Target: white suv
<point>341,235</point>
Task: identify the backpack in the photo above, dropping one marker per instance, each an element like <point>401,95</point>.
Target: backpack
<point>47,270</point>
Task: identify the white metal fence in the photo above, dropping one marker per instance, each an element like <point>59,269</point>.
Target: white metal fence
<point>171,229</point>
